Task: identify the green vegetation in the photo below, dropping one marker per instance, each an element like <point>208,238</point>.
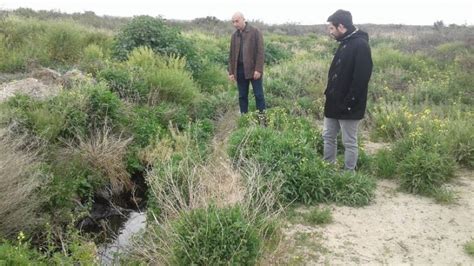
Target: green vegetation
<point>469,247</point>
<point>155,102</point>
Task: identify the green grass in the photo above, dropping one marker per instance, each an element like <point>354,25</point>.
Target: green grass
<point>469,248</point>
<point>318,216</point>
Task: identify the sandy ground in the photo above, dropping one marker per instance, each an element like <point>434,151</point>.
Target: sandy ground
<point>396,229</point>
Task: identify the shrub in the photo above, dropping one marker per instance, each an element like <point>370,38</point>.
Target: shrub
<point>276,53</point>
<point>20,254</point>
<point>104,153</point>
<point>215,236</point>
<point>67,180</point>
<point>129,84</point>
<point>64,42</point>
<point>420,170</point>
<point>212,79</point>
<point>12,60</point>
<point>384,164</point>
<point>459,139</point>
<point>173,84</point>
<point>146,124</point>
<point>92,59</point>
<point>287,150</point>
<point>352,189</point>
<point>103,107</point>
<point>71,113</point>
<point>155,34</point>
<point>391,122</point>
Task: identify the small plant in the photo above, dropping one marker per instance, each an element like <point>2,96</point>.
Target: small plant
<point>20,253</point>
<point>352,189</point>
<point>469,248</point>
<point>420,171</point>
<point>384,164</point>
<point>443,195</point>
<point>318,216</point>
<point>213,236</point>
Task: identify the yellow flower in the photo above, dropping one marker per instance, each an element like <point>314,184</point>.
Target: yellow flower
<point>21,237</point>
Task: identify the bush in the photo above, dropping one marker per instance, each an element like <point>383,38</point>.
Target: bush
<point>71,113</point>
<point>20,254</point>
<point>352,189</point>
<point>287,150</point>
<point>12,60</point>
<point>129,84</point>
<point>92,60</point>
<point>155,34</point>
<point>391,122</point>
<point>172,84</point>
<point>146,124</point>
<point>421,171</point>
<point>212,79</point>
<point>68,179</point>
<point>460,142</point>
<point>64,43</point>
<point>384,164</point>
<point>276,53</point>
<point>215,236</point>
<point>103,107</point>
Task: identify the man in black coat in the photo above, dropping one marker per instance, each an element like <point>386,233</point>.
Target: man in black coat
<point>346,91</point>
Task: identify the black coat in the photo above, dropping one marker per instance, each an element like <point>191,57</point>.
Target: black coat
<point>348,78</point>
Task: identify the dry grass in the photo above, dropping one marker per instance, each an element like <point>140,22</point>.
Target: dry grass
<point>19,182</point>
<point>105,153</point>
<point>195,183</point>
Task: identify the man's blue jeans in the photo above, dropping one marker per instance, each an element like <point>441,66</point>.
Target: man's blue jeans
<point>243,85</point>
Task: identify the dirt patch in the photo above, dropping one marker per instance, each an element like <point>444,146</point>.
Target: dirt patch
<point>371,148</point>
<point>223,181</point>
<point>397,228</point>
<point>28,86</point>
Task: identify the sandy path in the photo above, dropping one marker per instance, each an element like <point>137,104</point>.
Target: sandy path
<point>396,229</point>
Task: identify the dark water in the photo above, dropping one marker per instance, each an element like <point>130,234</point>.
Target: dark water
<point>134,222</point>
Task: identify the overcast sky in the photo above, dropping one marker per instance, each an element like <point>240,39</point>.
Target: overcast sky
<point>414,12</point>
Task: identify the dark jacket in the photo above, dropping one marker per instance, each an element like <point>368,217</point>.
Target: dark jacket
<point>253,51</point>
<point>348,78</point>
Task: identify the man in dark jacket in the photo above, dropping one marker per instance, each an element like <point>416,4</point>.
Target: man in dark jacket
<point>246,62</point>
<point>346,91</point>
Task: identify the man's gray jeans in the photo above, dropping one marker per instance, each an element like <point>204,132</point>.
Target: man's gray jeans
<point>349,139</point>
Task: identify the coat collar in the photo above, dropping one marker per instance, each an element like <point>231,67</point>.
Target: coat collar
<point>349,35</point>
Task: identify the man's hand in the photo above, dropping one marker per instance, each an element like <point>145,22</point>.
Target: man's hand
<point>257,75</point>
<point>231,77</point>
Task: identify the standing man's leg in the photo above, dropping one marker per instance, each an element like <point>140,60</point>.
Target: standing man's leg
<point>243,86</point>
<point>257,86</point>
<point>330,130</point>
<point>349,139</point>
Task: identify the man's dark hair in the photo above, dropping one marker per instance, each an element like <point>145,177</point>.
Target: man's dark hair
<point>341,17</point>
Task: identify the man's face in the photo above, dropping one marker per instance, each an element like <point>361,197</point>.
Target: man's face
<point>334,31</point>
<point>238,22</point>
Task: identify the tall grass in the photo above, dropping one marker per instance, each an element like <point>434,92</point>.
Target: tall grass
<point>20,181</point>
